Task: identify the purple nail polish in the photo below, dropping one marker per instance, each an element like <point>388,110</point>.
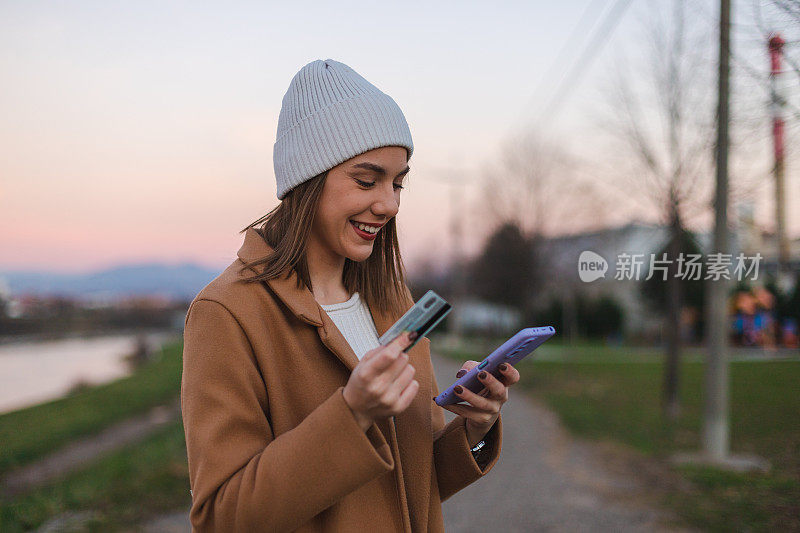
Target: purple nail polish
<point>482,375</point>
<point>461,373</point>
<point>458,389</point>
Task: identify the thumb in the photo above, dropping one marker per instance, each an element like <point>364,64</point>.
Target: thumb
<point>466,367</point>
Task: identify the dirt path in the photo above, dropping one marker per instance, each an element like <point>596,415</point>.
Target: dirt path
<point>546,480</point>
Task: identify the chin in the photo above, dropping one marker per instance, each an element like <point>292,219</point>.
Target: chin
<point>359,254</point>
<point>359,257</point>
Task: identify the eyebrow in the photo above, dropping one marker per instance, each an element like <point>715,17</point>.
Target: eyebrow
<point>379,169</point>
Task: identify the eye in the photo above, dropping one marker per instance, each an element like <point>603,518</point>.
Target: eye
<point>369,184</point>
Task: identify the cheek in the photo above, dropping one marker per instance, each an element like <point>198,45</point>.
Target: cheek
<point>335,224</point>
<point>327,224</point>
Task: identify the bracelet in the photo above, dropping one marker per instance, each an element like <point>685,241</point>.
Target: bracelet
<point>478,446</point>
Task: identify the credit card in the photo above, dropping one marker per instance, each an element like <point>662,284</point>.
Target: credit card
<point>422,318</point>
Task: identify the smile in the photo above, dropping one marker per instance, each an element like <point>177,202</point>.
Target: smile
<point>365,231</point>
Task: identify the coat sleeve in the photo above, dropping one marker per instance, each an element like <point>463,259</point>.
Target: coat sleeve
<point>455,464</point>
<point>242,477</point>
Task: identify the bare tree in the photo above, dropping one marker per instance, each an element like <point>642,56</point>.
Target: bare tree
<point>532,185</point>
<point>662,119</point>
<point>536,187</point>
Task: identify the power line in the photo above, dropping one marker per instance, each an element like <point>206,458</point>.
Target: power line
<point>589,11</point>
<point>568,83</point>
<point>761,79</point>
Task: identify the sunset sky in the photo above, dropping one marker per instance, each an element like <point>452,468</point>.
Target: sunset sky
<point>143,131</point>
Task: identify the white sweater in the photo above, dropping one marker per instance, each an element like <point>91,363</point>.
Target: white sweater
<point>354,321</point>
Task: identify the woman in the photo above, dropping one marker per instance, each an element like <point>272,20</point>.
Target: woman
<point>295,418</point>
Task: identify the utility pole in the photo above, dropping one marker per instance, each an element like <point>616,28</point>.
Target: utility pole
<point>777,102</point>
<point>457,263</point>
<point>456,178</point>
<point>715,421</point>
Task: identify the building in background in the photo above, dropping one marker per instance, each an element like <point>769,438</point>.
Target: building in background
<point>558,260</point>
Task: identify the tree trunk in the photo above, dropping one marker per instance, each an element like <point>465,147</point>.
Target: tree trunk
<point>569,316</point>
<point>670,399</point>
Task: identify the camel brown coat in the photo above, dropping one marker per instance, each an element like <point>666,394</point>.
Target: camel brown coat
<point>271,443</point>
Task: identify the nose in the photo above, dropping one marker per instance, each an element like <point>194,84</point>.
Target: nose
<point>387,203</point>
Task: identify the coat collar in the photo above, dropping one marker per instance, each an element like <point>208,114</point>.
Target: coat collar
<point>302,304</point>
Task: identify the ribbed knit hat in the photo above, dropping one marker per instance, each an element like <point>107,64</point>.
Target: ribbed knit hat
<point>330,114</point>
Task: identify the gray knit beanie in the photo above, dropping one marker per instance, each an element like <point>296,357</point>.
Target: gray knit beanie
<point>330,114</point>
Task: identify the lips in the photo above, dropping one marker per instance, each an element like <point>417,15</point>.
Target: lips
<point>363,234</point>
<point>374,224</point>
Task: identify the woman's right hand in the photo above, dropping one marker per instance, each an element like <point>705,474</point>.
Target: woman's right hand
<point>382,383</point>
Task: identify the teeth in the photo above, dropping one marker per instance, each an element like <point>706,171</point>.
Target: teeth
<point>368,229</point>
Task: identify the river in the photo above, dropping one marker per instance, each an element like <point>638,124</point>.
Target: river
<point>33,372</point>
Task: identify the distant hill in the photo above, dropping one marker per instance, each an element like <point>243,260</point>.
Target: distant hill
<point>180,281</point>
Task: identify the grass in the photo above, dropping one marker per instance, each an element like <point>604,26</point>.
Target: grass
<point>729,501</point>
<point>120,489</point>
<point>614,393</point>
<point>29,434</point>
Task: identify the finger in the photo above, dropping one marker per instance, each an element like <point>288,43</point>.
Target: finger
<point>380,380</point>
<point>508,375</point>
<point>390,374</point>
<point>405,377</point>
<point>485,404</point>
<point>404,340</point>
<point>412,336</point>
<point>408,394</point>
<point>467,411</point>
<point>466,367</point>
<point>390,352</point>
<point>483,392</point>
<point>495,388</point>
<point>378,350</point>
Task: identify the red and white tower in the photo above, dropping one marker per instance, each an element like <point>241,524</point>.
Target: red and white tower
<point>777,103</point>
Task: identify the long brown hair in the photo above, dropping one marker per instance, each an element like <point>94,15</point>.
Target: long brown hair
<point>380,279</point>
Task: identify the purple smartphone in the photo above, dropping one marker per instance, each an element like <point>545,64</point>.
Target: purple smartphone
<point>512,351</point>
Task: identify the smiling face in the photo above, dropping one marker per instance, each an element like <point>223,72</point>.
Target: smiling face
<point>364,189</point>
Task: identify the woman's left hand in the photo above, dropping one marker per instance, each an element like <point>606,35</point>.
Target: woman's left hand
<point>484,406</point>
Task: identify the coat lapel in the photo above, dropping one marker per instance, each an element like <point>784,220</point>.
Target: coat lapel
<point>303,305</point>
